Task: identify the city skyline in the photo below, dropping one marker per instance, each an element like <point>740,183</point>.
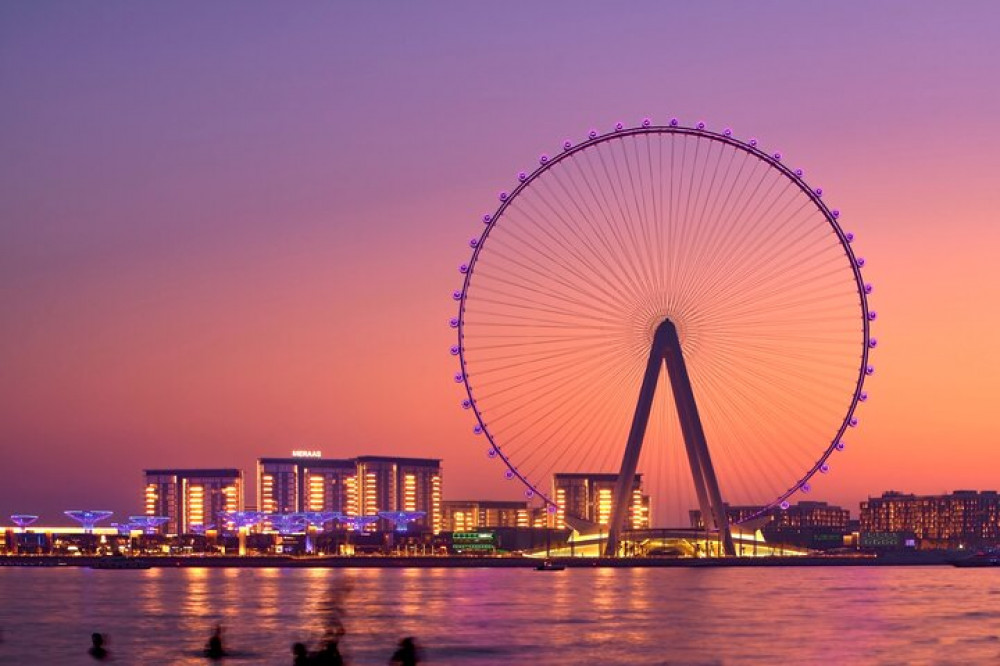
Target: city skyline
<point>199,261</point>
<point>250,488</point>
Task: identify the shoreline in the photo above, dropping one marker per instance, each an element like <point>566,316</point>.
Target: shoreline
<point>463,562</point>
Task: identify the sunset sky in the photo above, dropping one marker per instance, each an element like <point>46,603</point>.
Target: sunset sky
<point>231,230</point>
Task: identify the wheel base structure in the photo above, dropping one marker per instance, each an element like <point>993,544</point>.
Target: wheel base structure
<point>666,348</point>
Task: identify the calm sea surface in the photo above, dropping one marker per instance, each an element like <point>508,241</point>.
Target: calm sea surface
<point>817,615</point>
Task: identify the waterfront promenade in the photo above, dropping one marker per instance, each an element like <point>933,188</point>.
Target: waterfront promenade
<point>465,562</point>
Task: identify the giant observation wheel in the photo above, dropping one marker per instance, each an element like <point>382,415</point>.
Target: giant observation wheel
<point>589,260</point>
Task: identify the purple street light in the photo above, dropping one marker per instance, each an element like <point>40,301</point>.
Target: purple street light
<point>22,520</point>
<point>320,518</point>
<point>88,518</point>
<point>287,523</point>
<point>241,519</point>
<point>402,519</point>
<point>358,523</point>
<point>124,529</point>
<point>148,524</point>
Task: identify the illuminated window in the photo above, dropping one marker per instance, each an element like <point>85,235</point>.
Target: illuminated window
<point>436,503</point>
<point>351,496</point>
<point>409,492</point>
<point>560,508</point>
<point>604,506</point>
<point>317,492</point>
<point>196,505</point>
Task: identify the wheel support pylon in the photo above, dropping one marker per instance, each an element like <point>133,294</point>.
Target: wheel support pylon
<point>666,348</point>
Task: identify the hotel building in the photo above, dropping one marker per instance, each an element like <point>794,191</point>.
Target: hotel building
<point>591,497</point>
<point>192,497</point>
<point>469,515</point>
<point>400,484</point>
<point>306,482</point>
<point>801,516</point>
<point>963,518</point>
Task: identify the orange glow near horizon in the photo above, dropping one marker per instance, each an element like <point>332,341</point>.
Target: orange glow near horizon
<point>203,265</point>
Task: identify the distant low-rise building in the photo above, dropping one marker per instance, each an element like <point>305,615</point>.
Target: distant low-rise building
<point>807,524</point>
<point>966,518</point>
<point>471,515</point>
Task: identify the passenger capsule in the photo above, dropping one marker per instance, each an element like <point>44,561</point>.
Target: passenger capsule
<point>477,430</point>
<point>592,134</point>
<point>701,125</point>
<point>567,144</point>
<point>459,377</point>
<point>872,315</point>
<point>674,122</point>
<point>619,127</point>
<point>466,404</point>
<point>785,505</point>
<point>544,159</point>
<point>870,370</point>
<point>503,196</point>
<point>453,322</point>
<point>840,446</point>
<point>873,343</point>
<point>522,176</point>
<point>509,475</point>
<point>727,132</point>
<point>457,295</point>
<point>853,422</point>
<point>454,350</point>
<point>646,122</point>
<point>824,468</point>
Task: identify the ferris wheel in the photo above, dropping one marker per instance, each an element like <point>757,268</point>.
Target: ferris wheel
<point>652,247</point>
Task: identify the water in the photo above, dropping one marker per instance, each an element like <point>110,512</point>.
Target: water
<point>840,615</point>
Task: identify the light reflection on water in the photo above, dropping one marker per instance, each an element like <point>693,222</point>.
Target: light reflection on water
<point>495,616</point>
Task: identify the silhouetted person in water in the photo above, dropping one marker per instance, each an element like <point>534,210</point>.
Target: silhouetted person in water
<point>329,651</point>
<point>407,653</point>
<point>300,654</point>
<point>97,649</point>
<point>214,648</point>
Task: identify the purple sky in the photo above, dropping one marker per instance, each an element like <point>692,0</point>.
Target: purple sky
<point>230,230</point>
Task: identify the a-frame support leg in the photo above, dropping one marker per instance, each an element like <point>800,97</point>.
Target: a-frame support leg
<point>666,347</point>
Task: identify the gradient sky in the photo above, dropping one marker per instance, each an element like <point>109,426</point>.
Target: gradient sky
<point>230,230</point>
